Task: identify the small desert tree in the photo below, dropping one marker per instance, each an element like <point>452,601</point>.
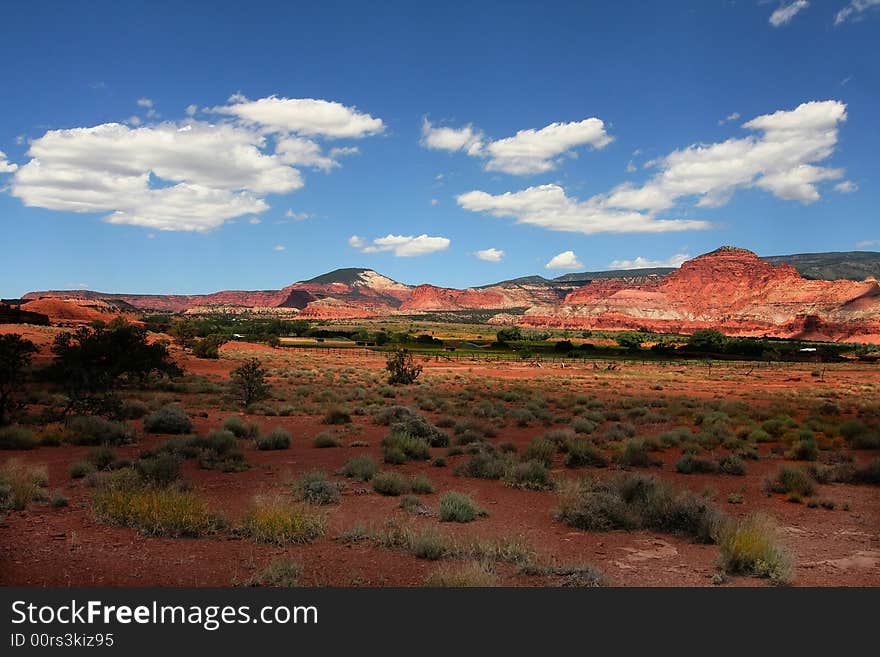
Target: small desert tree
<point>402,368</point>
<point>249,382</point>
<point>15,356</point>
<point>91,364</point>
<point>707,341</point>
<point>273,341</point>
<point>630,340</point>
<point>209,347</point>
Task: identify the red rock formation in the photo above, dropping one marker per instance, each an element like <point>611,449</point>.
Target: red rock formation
<point>429,297</point>
<point>729,289</point>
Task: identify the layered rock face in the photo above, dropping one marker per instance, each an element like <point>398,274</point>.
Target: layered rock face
<point>730,289</point>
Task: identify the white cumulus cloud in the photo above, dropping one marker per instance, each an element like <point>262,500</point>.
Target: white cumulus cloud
<point>190,175</point>
<point>490,254</point>
<point>854,10</point>
<point>784,14</point>
<point>527,152</point>
<point>402,246</point>
<point>781,159</point>
<point>846,187</point>
<point>145,102</point>
<point>564,260</point>
<point>646,263</point>
<point>549,207</point>
<point>303,116</point>
<point>5,165</point>
<point>467,139</point>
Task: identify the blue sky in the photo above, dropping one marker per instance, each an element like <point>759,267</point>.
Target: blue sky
<point>152,147</point>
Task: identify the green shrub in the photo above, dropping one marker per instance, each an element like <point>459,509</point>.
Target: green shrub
<point>532,475</point>
<point>327,439</point>
<point>134,409</point>
<point>17,437</point>
<point>636,453</point>
<point>281,572</point>
<point>750,547</point>
<point>390,483</point>
<point>336,416</point>
<point>170,419</point>
<point>421,485</point>
<point>94,430</point>
<point>278,438</point>
<point>580,453</point>
<point>540,449</point>
<point>484,466</point>
<point>458,507</point>
<point>274,520</point>
<point>638,501</point>
<point>412,504</point>
<point>240,428</point>
<point>690,464</point>
<point>161,469</point>
<point>80,469</point>
<point>360,467</point>
<point>732,465</point>
<point>315,488</point>
<point>791,480</point>
<point>400,447</point>
<point>58,500</point>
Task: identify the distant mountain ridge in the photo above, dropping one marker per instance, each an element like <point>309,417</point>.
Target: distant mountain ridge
<point>730,288</point>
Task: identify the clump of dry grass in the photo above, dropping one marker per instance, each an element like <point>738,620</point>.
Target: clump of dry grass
<point>157,511</point>
<point>274,519</point>
<point>471,574</point>
<point>751,547</point>
<point>21,483</point>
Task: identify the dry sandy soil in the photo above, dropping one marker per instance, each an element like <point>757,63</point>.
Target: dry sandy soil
<point>45,546</point>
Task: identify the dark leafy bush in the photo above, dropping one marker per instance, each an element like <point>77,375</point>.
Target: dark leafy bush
<point>94,430</point>
<point>458,507</point>
<point>315,488</point>
<point>580,453</point>
<point>390,483</point>
<point>170,419</point>
<point>278,438</point>
<point>360,467</point>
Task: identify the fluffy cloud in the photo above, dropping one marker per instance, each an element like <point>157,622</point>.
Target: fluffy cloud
<point>466,139</point>
<point>646,263</point>
<point>279,247</point>
<point>303,116</point>
<point>490,255</point>
<point>864,244</point>
<point>846,187</point>
<point>564,260</point>
<point>527,152</point>
<point>191,176</point>
<point>786,13</point>
<point>854,10</point>
<point>5,165</point>
<point>402,246</point>
<point>548,206</point>
<point>782,159</point>
<point>145,102</point>
<point>304,152</point>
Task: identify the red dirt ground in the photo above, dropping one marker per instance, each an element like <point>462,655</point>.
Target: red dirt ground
<point>65,547</point>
